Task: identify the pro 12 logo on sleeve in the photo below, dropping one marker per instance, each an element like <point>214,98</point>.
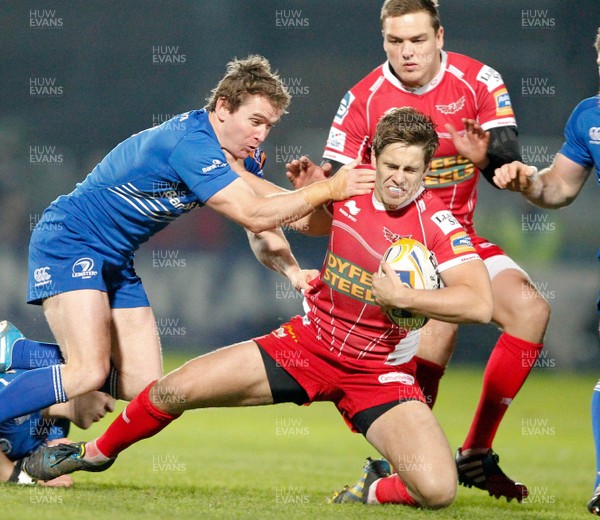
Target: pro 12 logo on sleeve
<point>343,108</point>
<point>336,139</point>
<point>446,221</point>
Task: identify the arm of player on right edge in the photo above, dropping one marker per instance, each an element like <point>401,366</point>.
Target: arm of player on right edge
<point>238,201</point>
<point>554,187</point>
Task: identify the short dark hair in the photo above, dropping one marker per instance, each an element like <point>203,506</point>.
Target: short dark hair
<point>394,8</point>
<point>250,76</point>
<point>407,126</point>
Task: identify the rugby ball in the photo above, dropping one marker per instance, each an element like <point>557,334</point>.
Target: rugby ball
<point>416,267</point>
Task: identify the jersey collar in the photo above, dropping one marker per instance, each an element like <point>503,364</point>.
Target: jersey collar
<point>389,75</point>
<point>380,207</point>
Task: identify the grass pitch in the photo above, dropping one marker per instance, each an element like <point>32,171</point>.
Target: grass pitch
<point>283,462</point>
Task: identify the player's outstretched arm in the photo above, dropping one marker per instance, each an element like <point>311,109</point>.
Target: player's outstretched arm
<point>272,249</point>
<point>553,187</point>
<point>465,298</point>
<point>238,201</point>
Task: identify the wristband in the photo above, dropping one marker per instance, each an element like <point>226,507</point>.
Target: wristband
<point>317,194</point>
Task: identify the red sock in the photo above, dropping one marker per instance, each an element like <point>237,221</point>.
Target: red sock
<point>391,490</point>
<point>509,365</point>
<point>140,420</point>
<point>428,375</point>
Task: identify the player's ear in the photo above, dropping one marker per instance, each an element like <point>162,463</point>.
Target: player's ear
<point>373,160</point>
<point>222,108</point>
<point>440,38</point>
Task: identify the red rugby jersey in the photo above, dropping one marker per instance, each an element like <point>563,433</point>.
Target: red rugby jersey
<point>463,87</point>
<point>341,305</point>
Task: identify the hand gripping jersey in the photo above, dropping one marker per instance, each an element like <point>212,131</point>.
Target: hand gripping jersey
<point>341,306</point>
<point>463,88</point>
<point>146,182</point>
<point>582,135</point>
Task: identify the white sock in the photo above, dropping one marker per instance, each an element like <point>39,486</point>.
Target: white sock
<point>371,498</point>
<point>93,454</point>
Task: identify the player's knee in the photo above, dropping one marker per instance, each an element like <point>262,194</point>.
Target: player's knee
<point>438,336</point>
<point>534,310</point>
<point>169,398</point>
<point>436,493</point>
<point>84,377</point>
<point>530,311</point>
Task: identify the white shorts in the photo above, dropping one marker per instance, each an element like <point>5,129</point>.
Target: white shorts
<point>498,263</point>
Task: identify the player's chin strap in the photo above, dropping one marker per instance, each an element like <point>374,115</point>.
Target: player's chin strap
<point>19,476</point>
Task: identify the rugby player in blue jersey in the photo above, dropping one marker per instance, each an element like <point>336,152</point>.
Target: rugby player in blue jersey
<point>557,186</point>
<point>22,436</point>
<point>81,251</point>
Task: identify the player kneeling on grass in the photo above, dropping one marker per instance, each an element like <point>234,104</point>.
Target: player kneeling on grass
<point>345,348</point>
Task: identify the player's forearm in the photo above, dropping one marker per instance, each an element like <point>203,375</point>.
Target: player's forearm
<point>458,304</point>
<point>275,210</point>
<point>272,249</point>
<point>547,190</point>
<point>465,298</point>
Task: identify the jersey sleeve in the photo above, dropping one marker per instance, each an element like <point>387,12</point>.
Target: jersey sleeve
<point>201,165</point>
<point>495,107</point>
<point>348,132</point>
<point>575,146</point>
<point>447,239</point>
<point>256,162</point>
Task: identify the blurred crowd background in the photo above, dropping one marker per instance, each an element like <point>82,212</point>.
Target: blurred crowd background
<point>78,77</point>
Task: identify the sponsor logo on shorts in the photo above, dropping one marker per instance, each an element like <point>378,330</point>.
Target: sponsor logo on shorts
<point>446,221</point>
<point>42,276</point>
<point>336,140</point>
<point>343,108</point>
<point>84,269</point>
<point>453,107</point>
<point>396,377</point>
<point>595,135</point>
<point>286,330</point>
<point>461,243</point>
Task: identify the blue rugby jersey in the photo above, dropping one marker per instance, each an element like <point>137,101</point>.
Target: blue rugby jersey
<point>149,180</point>
<point>582,134</point>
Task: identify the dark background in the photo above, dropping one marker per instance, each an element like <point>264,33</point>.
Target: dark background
<point>102,63</point>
